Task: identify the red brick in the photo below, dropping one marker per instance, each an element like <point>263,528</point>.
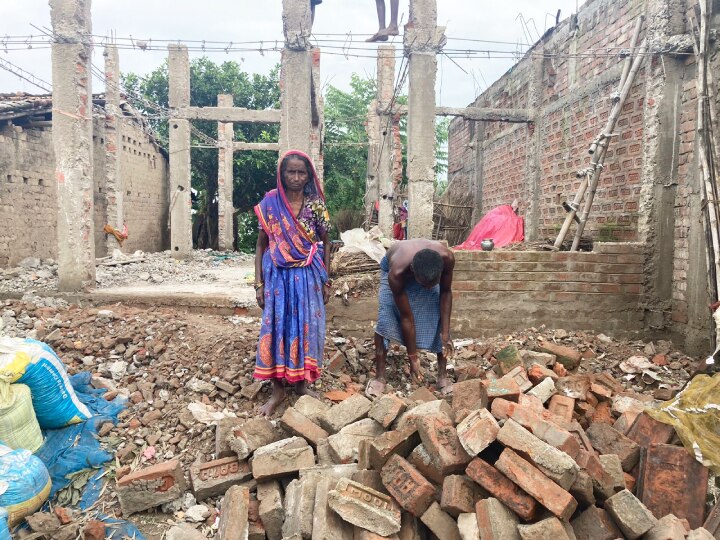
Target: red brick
<point>531,402</point>
<point>535,483</point>
<point>519,375</point>
<point>495,520</point>
<point>300,425</point>
<point>607,440</point>
<point>672,482</point>
<point>595,524</point>
<point>468,396</point>
<point>602,482</point>
<point>422,461</point>
<point>538,373</point>
<point>94,530</point>
<point>214,478</point>
<point>477,431</point>
<point>399,442</point>
<point>151,486</point>
<point>440,439</point>
<point>502,388</point>
<point>567,356</point>
<point>458,495</point>
<point>502,488</point>
<point>645,430</point>
<point>562,407</point>
<point>440,524</point>
<point>386,409</point>
<point>409,488</point>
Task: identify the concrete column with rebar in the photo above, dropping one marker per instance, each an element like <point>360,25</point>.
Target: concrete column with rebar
<point>114,188</point>
<point>423,39</point>
<point>296,78</point>
<point>386,151</point>
<point>179,130</point>
<point>225,178</point>
<point>72,142</point>
<point>317,151</point>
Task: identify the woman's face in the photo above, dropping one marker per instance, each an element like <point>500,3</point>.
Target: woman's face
<point>296,174</point>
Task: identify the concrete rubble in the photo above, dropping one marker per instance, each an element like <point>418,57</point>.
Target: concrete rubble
<point>490,461</point>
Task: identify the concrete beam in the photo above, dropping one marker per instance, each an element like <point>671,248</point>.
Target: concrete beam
<point>179,128</point>
<point>228,114</point>
<point>481,114</point>
<point>72,142</point>
<point>251,146</point>
<point>225,178</point>
<point>114,186</point>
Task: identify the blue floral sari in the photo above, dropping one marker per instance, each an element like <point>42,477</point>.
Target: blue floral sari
<point>292,335</point>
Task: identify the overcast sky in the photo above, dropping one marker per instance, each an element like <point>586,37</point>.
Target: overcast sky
<point>255,20</point>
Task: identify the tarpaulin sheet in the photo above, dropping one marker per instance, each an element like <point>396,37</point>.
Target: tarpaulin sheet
<point>501,224</point>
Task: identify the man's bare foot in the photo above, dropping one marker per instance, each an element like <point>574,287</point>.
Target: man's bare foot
<point>276,398</point>
<point>375,388</point>
<point>301,389</point>
<point>392,30</point>
<point>379,36</point>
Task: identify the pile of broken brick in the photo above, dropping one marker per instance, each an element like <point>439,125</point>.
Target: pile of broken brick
<point>520,453</point>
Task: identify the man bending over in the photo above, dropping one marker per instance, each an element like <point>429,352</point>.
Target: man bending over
<point>415,302</point>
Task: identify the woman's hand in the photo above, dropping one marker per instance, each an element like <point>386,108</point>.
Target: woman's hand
<point>260,296</point>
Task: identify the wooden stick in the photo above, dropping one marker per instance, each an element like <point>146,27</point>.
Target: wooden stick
<point>606,132</point>
<point>637,61</point>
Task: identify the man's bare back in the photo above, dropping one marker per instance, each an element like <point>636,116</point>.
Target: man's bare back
<point>400,255</point>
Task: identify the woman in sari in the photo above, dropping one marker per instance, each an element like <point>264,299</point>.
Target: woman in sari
<point>291,282</point>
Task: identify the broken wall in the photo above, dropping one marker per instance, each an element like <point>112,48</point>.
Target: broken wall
<point>28,198</point>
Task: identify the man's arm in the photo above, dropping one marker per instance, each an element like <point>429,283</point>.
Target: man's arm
<point>446,297</point>
<point>407,321</point>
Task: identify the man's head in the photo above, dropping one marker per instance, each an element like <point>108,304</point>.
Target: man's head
<point>427,266</point>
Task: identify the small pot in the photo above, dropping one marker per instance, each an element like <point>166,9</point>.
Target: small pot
<point>487,244</point>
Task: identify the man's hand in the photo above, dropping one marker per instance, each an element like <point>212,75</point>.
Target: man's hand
<point>447,345</point>
<point>260,296</point>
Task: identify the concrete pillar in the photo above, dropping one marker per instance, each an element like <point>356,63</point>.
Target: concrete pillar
<point>72,142</point>
<point>385,137</point>
<point>372,128</point>
<point>423,39</point>
<point>114,187</point>
<point>479,178</point>
<point>531,202</point>
<point>296,78</point>
<point>180,201</point>
<point>225,178</point>
<point>317,136</point>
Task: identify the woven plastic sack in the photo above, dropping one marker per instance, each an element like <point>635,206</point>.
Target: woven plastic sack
<point>695,415</point>
<point>18,426</point>
<point>24,484</point>
<point>4,531</point>
<point>35,364</point>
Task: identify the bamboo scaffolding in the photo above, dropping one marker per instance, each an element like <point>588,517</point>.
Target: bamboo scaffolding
<point>601,141</point>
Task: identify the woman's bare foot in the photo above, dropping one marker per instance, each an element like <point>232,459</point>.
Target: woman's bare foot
<point>278,395</point>
<point>375,388</point>
<point>301,389</point>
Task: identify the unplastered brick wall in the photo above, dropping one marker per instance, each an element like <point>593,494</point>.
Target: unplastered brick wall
<point>501,291</point>
<point>570,85</point>
<point>28,193</point>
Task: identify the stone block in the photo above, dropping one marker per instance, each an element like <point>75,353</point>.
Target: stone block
<point>672,481</point>
<point>547,529</point>
<point>477,431</point>
<point>502,488</point>
<point>330,471</point>
<point>544,390</point>
<point>327,525</point>
<point>556,465</point>
<point>536,484</point>
<point>214,478</point>
<point>612,465</point>
<point>364,534</point>
<point>409,488</point>
<point>458,495</point>
<point>311,408</point>
<point>582,489</point>
<point>282,458</point>
<point>222,436</point>
<point>533,357</point>
<point>299,507</point>
<point>496,521</point>
<point>234,514</point>
<point>507,359</point>
<point>150,487</point>
<point>440,439</point>
<point>603,484</point>
<point>700,534</point>
<point>347,412</point>
<point>271,510</point>
<point>301,426</point>
<point>595,524</point>
<point>554,435</point>
<point>410,528</point>
<point>369,478</point>
<point>468,527</point>
<point>251,435</point>
<point>468,396</point>
<point>607,440</point>
<point>562,407</point>
<point>422,461</point>
<point>386,409</point>
<point>567,356</point>
<point>400,442</point>
<point>440,524</point>
<point>437,406</point>
<point>365,507</point>
<point>668,527</point>
<point>632,516</point>
<point>344,444</point>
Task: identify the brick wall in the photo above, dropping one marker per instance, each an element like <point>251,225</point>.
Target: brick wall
<point>28,198</point>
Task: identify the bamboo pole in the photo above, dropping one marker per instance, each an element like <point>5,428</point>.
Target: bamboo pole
<point>574,206</point>
<point>630,79</point>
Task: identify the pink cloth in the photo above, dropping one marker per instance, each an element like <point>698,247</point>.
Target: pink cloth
<point>501,224</point>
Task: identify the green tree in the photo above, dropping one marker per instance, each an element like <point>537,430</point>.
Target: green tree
<point>254,172</point>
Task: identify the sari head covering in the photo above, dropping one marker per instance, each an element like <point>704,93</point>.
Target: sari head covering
<point>292,335</point>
